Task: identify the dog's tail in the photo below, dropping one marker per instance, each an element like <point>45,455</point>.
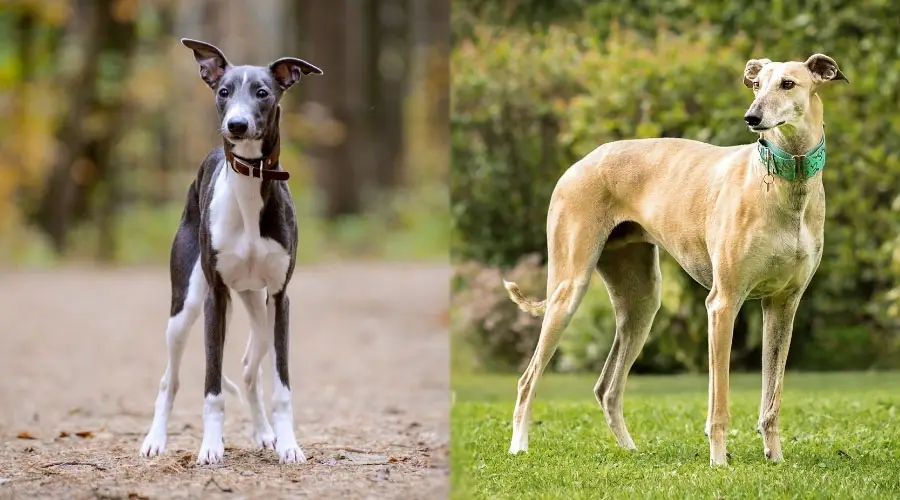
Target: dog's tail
<point>232,388</point>
<point>531,307</point>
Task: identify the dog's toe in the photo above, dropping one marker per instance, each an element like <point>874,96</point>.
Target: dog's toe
<point>291,455</point>
<point>153,446</point>
<point>211,455</point>
<point>265,441</point>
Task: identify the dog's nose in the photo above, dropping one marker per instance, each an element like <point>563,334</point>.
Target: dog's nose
<point>752,120</point>
<point>237,125</point>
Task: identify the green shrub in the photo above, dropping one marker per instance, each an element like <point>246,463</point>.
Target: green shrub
<point>501,336</point>
<point>530,97</point>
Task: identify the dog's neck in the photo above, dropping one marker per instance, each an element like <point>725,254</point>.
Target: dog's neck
<point>799,137</point>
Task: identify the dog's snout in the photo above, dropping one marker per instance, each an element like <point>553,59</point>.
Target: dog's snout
<point>752,120</point>
<point>238,125</point>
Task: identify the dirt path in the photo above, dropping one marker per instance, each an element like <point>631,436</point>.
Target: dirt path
<point>83,350</point>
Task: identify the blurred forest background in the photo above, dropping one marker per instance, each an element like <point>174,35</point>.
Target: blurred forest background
<point>537,84</point>
<point>106,122</point>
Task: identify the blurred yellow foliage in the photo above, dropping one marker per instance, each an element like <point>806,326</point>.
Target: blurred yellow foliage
<point>51,12</point>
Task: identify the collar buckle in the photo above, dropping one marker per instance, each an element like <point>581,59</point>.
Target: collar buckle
<point>253,170</point>
<point>258,168</point>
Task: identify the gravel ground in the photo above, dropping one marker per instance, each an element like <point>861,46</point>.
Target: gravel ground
<point>82,351</point>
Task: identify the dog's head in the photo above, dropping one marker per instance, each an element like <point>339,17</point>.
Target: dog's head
<point>783,89</point>
<point>246,96</point>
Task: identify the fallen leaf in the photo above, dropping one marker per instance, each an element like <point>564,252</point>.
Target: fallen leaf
<point>25,435</point>
<point>29,449</point>
<point>137,496</point>
<point>84,434</point>
<point>63,434</point>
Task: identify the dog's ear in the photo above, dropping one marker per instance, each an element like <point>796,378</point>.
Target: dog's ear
<point>288,70</point>
<point>752,69</point>
<point>211,60</point>
<point>824,69</point>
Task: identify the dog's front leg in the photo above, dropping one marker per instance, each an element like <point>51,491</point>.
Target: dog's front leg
<point>212,450</point>
<point>722,307</point>
<point>282,407</point>
<point>778,325</point>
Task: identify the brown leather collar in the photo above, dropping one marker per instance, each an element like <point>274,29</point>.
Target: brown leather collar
<point>260,168</point>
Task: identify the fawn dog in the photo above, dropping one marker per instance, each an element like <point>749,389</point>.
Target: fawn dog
<point>746,222</point>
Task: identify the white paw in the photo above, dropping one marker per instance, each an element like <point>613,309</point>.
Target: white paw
<point>291,454</point>
<point>519,443</point>
<point>154,444</point>
<point>211,454</point>
<point>264,439</point>
<point>515,448</point>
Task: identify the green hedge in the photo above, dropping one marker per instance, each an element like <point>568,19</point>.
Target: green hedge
<point>536,89</point>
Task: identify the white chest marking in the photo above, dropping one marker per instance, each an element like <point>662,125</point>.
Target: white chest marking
<point>245,260</point>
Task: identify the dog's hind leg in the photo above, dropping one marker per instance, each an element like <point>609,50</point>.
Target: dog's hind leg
<point>574,243</point>
<point>257,348</point>
<point>188,291</point>
<point>632,278</point>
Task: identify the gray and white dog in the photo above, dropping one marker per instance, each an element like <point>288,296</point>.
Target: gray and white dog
<point>238,232</point>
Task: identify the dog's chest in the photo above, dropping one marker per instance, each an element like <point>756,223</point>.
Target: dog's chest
<point>787,260</point>
<point>244,259</point>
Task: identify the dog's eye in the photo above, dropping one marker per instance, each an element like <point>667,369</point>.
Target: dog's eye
<point>223,92</point>
<point>262,94</point>
<point>787,84</point>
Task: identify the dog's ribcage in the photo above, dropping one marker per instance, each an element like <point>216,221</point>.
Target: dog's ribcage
<point>245,260</point>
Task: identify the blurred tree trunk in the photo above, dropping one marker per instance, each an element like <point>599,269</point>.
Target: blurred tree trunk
<point>439,29</point>
<point>53,214</point>
<point>114,108</point>
<point>167,154</point>
<point>25,29</point>
<point>84,167</point>
<point>430,25</point>
<point>213,22</point>
<point>333,28</point>
<point>388,71</point>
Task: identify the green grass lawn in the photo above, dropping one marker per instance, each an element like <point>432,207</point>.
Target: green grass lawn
<point>840,436</point>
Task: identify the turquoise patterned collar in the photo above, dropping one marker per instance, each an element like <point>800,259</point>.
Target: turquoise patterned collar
<point>792,167</point>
